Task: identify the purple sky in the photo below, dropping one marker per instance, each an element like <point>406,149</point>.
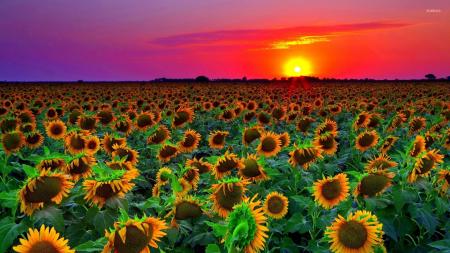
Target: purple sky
<point>142,40</point>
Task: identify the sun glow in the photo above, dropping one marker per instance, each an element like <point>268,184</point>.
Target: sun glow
<point>297,67</point>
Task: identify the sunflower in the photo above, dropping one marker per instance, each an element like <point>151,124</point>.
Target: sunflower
<point>327,143</point>
<point>304,156</point>
<point>264,118</point>
<point>56,129</point>
<point>418,146</point>
<point>330,191</point>
<point>134,235</point>
<point>304,124</point>
<point>182,116</point>
<point>328,126</point>
<point>276,205</point>
<point>123,125</point>
<point>80,166</point>
<point>374,184</point>
<point>425,162</point>
<point>75,142</point>
<point>225,164</point>
<point>73,116</point>
<point>27,128</point>
<point>192,176</point>
<point>108,142</point>
<point>159,136</point>
<point>444,178</point>
<point>278,113</point>
<point>270,144</point>
<point>87,122</point>
<point>366,140</point>
<point>226,194</point>
<point>92,144</point>
<point>167,152</point>
<point>13,141</point>
<point>251,134</point>
<point>248,116</point>
<point>285,139</point>
<point>52,164</point>
<point>105,116</point>
<point>202,166</point>
<point>398,119</point>
<point>145,120</point>
<point>185,207</point>
<point>120,165</point>
<point>227,115</point>
<point>251,169</point>
<point>34,139</point>
<point>388,144</point>
<point>44,240</point>
<point>100,190</point>
<point>248,223</point>
<point>185,187</point>
<point>361,232</point>
<point>217,139</point>
<point>8,125</point>
<point>381,162</point>
<point>46,188</point>
<point>123,151</point>
<point>416,124</point>
<point>362,120</point>
<point>190,141</point>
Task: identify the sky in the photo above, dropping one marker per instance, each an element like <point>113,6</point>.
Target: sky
<point>107,40</point>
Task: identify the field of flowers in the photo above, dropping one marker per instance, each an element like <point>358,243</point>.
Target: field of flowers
<point>225,167</point>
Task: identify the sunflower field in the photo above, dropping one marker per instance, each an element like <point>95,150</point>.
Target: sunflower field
<point>352,167</point>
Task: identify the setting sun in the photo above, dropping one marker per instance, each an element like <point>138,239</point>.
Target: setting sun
<point>297,67</point>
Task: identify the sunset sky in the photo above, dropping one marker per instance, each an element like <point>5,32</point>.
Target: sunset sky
<point>142,40</point>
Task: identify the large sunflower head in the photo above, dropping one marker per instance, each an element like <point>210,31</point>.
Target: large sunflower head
<point>425,162</point>
<point>9,124</point>
<point>225,164</point>
<point>87,122</point>
<point>125,152</point>
<point>304,123</point>
<point>264,118</point>
<point>327,143</point>
<point>105,116</point>
<point>75,142</point>
<point>134,235</point>
<point>159,136</point>
<point>34,139</point>
<point>202,166</point>
<point>416,124</point>
<point>109,140</point>
<point>92,144</point>
<point>226,194</point>
<point>251,134</point>
<point>192,176</point>
<point>52,164</point>
<point>13,141</point>
<point>190,141</point>
<point>44,240</point>
<point>276,205</point>
<point>163,175</point>
<point>123,125</point>
<point>217,139</point>
<point>107,185</point>
<point>167,152</point>
<point>304,156</point>
<point>374,183</point>
<point>185,207</point>
<point>328,126</point>
<point>366,140</point>
<point>251,169</point>
<point>270,144</point>
<point>246,228</point>
<point>145,120</point>
<point>418,146</point>
<point>80,166</point>
<point>330,191</point>
<point>361,232</point>
<point>278,113</point>
<point>285,139</point>
<point>381,162</point>
<point>362,120</point>
<point>183,116</point>
<point>47,187</point>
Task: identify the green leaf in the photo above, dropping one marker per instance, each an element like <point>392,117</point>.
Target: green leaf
<point>103,220</point>
<point>9,231</point>
<point>46,151</point>
<point>425,217</point>
<point>9,200</point>
<point>298,223</point>
<point>30,171</point>
<point>219,230</point>
<point>442,245</point>
<point>212,248</point>
<point>92,246</point>
<point>51,216</point>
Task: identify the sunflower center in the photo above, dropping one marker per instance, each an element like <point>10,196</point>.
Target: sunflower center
<point>251,168</point>
<point>427,165</point>
<point>327,142</point>
<point>189,140</point>
<point>43,247</point>
<point>87,123</point>
<point>105,191</point>
<point>45,189</point>
<point>168,151</point>
<point>352,234</point>
<point>11,141</point>
<point>180,118</point>
<point>218,139</point>
<point>304,157</point>
<point>159,136</point>
<point>228,197</point>
<point>80,168</point>
<point>144,121</point>
<point>366,140</point>
<point>331,189</point>
<point>227,165</point>
<point>186,210</point>
<point>275,204</point>
<point>264,118</point>
<point>201,167</point>
<point>92,145</point>
<point>135,240</point>
<point>77,142</point>
<point>268,144</point>
<point>373,184</point>
<point>190,175</point>
<point>56,129</point>
<point>251,135</point>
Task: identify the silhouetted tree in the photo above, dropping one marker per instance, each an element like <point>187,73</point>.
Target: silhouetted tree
<point>448,78</point>
<point>430,76</point>
<point>202,79</point>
